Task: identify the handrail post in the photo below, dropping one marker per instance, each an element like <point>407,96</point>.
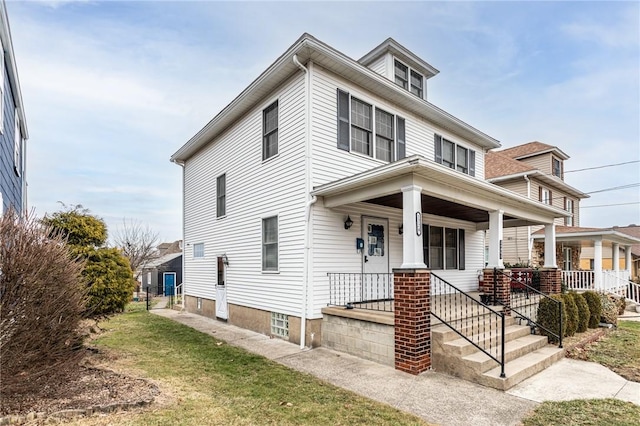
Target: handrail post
<point>147,298</point>
<point>560,333</point>
<point>502,375</point>
<point>495,286</point>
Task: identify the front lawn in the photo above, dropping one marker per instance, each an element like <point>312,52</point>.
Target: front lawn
<point>585,412</point>
<point>210,382</point>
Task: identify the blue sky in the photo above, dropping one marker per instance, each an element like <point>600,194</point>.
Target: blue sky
<point>112,89</point>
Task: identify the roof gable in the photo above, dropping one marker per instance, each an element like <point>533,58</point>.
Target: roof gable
<point>532,149</point>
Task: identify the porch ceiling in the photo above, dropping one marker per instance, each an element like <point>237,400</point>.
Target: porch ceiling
<point>445,192</point>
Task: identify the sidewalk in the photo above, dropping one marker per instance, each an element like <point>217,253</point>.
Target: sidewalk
<point>435,397</point>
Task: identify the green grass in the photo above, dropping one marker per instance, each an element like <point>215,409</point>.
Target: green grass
<point>214,383</point>
<point>589,412</point>
<point>619,350</point>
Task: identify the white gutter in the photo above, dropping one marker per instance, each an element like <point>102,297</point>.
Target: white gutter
<point>306,270</point>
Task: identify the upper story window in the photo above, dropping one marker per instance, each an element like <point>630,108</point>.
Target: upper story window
<point>270,243</point>
<point>568,206</point>
<point>454,156</point>
<point>17,146</point>
<point>270,131</point>
<point>443,248</point>
<point>408,79</point>
<point>545,195</point>
<point>359,122</point>
<point>221,195</point>
<point>556,167</point>
<point>198,250</point>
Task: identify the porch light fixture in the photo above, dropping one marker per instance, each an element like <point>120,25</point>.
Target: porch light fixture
<point>348,223</point>
<point>225,259</point>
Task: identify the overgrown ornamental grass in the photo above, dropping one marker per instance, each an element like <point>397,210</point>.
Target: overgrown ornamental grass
<point>214,383</point>
<point>619,351</point>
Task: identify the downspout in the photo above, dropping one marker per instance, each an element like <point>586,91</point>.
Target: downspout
<point>529,239</point>
<point>310,201</point>
<point>184,245</point>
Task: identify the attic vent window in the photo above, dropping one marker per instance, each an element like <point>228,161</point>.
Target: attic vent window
<point>409,79</point>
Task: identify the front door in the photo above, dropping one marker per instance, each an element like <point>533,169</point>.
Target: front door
<point>375,259</point>
<point>169,280</point>
<point>222,310</point>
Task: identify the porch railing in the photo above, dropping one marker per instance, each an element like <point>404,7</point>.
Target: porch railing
<point>633,292</point>
<point>373,291</point>
<point>524,301</point>
<point>471,319</point>
<point>578,280</point>
<point>177,296</point>
<point>615,282</point>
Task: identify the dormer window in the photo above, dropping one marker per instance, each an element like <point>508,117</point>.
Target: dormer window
<point>409,79</point>
<point>557,167</point>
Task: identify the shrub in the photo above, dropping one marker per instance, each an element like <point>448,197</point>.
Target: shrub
<point>43,297</point>
<point>549,317</point>
<point>572,314</point>
<point>609,314</point>
<point>595,307</point>
<point>583,312</point>
<point>621,303</point>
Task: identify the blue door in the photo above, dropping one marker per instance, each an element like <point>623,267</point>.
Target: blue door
<point>169,283</point>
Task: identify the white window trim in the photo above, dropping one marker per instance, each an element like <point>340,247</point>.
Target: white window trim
<point>546,196</point>
<point>218,215</point>
<point>269,271</point>
<point>194,251</point>
<point>262,129</point>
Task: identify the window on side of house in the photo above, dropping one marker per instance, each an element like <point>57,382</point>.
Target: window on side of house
<point>384,135</point>
<point>17,146</point>
<point>402,146</point>
<point>401,72</point>
<point>361,127</point>
<point>443,248</point>
<point>556,166</point>
<point>568,206</point>
<point>270,131</point>
<point>280,325</point>
<point>545,195</point>
<point>221,195</point>
<point>454,156</point>
<point>198,250</point>
<point>270,243</point>
<point>416,83</point>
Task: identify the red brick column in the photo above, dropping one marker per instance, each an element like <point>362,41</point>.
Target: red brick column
<point>412,309</point>
<point>503,286</point>
<point>550,281</point>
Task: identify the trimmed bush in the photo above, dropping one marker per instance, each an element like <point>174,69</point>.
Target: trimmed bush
<point>595,307</point>
<point>572,314</point>
<point>622,304</point>
<point>609,313</point>
<point>549,317</point>
<point>583,312</point>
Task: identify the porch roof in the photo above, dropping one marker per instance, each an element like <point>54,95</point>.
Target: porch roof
<point>576,233</point>
<point>445,192</point>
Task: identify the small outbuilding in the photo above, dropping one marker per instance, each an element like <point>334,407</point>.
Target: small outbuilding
<point>161,275</point>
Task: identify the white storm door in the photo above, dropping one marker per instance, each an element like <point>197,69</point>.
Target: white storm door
<point>222,310</point>
<point>375,259</point>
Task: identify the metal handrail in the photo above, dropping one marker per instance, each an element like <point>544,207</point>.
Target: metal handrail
<point>528,289</point>
<point>463,301</point>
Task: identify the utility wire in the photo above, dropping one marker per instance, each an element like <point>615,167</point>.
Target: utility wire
<point>602,167</point>
<point>615,188</point>
<point>610,205</point>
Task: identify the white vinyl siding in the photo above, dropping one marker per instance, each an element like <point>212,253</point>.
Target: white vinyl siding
<point>380,65</point>
<point>330,163</point>
<point>258,190</point>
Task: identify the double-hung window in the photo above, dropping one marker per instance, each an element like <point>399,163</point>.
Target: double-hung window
<point>270,131</point>
<point>443,248</point>
<point>270,243</point>
<point>368,130</point>
<point>401,72</point>
<point>361,127</point>
<point>408,78</point>
<point>568,206</point>
<point>545,196</point>
<point>556,166</point>
<point>454,156</point>
<point>221,195</point>
<point>416,83</point>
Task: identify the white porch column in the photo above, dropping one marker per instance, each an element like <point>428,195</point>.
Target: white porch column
<point>495,239</point>
<point>627,260</point>
<point>615,256</point>
<point>597,264</point>
<point>550,245</point>
<point>412,257</point>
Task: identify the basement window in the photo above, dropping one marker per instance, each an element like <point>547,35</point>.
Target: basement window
<point>280,325</point>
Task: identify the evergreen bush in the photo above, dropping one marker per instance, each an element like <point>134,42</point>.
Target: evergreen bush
<point>549,317</point>
<point>583,312</point>
<point>595,307</point>
<point>572,314</point>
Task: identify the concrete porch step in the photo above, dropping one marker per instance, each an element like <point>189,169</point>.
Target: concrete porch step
<point>462,312</point>
<point>522,368</point>
<point>514,349</point>
<point>492,337</point>
<point>467,326</point>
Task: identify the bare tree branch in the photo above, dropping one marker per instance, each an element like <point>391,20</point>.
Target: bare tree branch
<point>138,243</point>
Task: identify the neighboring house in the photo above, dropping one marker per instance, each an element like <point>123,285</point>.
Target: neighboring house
<point>167,248</point>
<point>587,257</point>
<point>536,170</point>
<point>163,274</point>
<point>13,126</point>
<point>327,168</point>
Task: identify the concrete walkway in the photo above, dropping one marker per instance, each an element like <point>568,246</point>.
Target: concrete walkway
<point>435,397</point>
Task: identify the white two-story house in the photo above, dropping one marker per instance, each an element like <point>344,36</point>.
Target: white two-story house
<point>326,168</point>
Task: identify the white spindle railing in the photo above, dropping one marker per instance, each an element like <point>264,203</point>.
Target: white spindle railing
<point>178,296</point>
<point>579,280</point>
<point>633,292</point>
<point>615,282</point>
